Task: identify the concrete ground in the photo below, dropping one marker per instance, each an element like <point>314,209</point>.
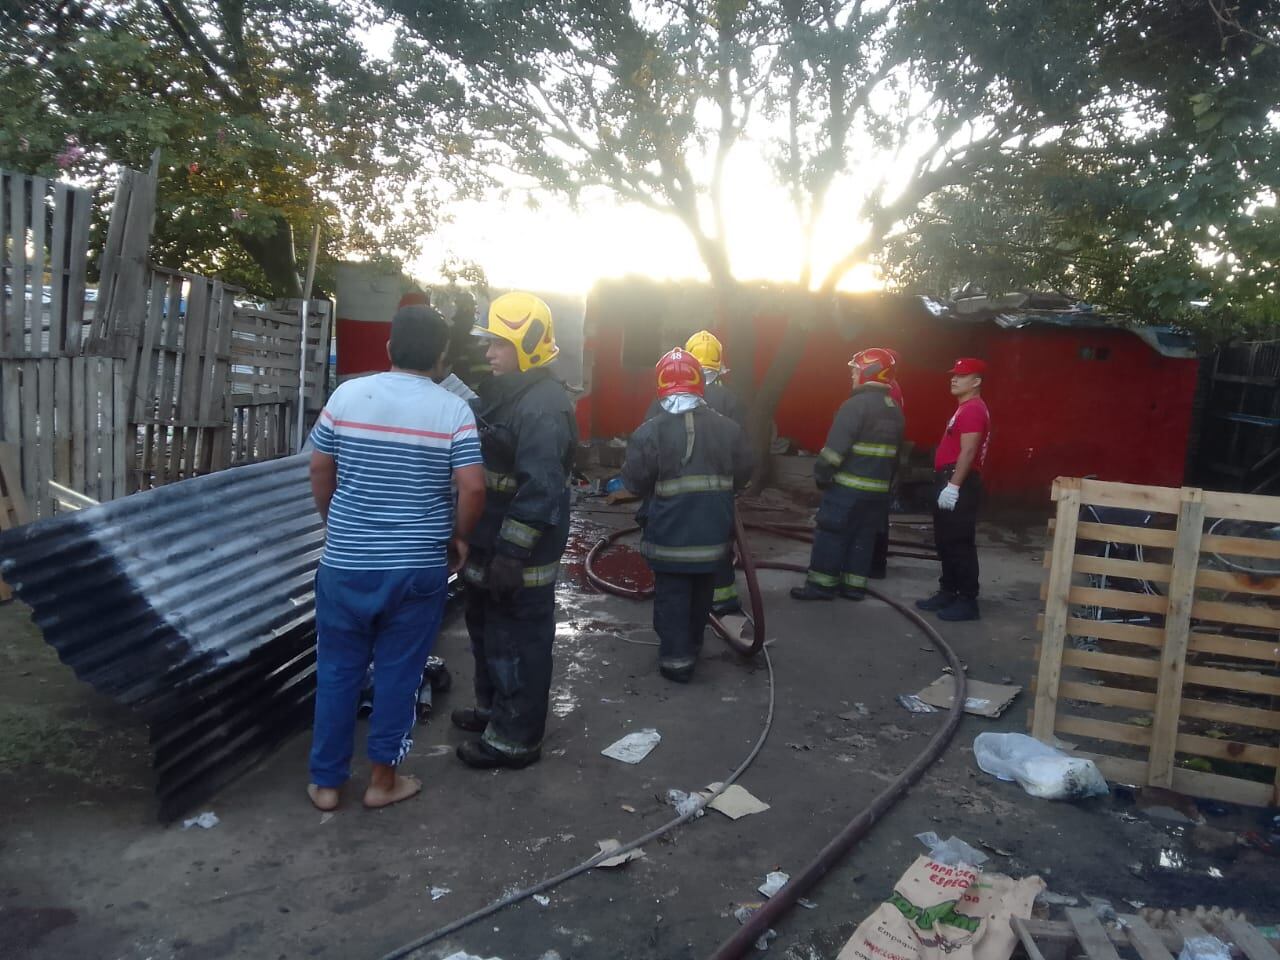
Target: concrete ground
<point>85,871</point>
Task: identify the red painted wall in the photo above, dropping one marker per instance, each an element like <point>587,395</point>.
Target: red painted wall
<point>1058,408</point>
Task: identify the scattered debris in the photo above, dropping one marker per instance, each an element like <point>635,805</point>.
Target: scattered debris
<point>1214,842</point>
<point>1162,804</point>
<point>687,803</point>
<point>463,955</point>
<point>736,802</point>
<point>326,817</point>
<point>773,882</point>
<point>628,808</point>
<point>985,845</point>
<point>634,747</point>
<point>914,703</point>
<point>952,852</point>
<point>980,699</point>
<point>744,911</point>
<point>857,713</point>
<point>807,904</point>
<point>206,821</point>
<point>1102,909</point>
<point>1204,948</point>
<point>1049,898</point>
<point>1041,770</point>
<point>608,846</point>
<point>800,746</point>
<point>438,892</point>
<point>541,900</point>
<point>763,941</point>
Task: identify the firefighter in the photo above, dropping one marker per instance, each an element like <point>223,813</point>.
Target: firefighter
<point>686,463</point>
<point>528,436</point>
<point>466,353</point>
<point>709,352</point>
<point>855,471</point>
<point>880,554</point>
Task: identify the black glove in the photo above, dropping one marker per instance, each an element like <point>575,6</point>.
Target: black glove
<point>506,576</point>
<point>823,474</point>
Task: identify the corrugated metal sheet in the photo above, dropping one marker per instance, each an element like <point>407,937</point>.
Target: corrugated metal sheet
<point>191,603</point>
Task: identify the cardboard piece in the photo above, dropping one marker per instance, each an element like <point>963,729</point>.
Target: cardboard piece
<point>980,698</point>
<point>736,802</point>
<point>611,844</point>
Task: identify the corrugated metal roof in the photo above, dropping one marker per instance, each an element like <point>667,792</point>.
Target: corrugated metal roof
<point>191,603</point>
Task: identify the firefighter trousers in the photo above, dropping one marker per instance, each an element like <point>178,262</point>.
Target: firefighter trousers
<point>681,611</point>
<point>511,642</point>
<point>844,538</point>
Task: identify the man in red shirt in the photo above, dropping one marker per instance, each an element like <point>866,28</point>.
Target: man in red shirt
<point>957,469</point>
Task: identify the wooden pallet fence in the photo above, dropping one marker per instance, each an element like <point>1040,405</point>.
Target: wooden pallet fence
<point>266,366</point>
<point>44,235</point>
<point>67,418</point>
<point>1161,636</point>
<point>123,281</point>
<point>180,374</point>
<point>13,503</point>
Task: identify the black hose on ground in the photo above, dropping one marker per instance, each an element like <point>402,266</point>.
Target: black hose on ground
<point>744,939</point>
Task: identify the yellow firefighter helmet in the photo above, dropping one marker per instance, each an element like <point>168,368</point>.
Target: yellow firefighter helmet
<point>524,321</point>
<point>707,350</point>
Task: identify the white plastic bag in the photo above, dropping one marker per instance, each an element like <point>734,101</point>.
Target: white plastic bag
<point>1041,770</point>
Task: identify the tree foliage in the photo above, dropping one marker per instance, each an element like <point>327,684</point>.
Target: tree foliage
<point>270,117</point>
<point>1167,214</point>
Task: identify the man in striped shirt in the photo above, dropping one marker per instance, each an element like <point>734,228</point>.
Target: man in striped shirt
<point>389,451</point>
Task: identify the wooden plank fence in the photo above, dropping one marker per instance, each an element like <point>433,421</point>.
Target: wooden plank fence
<point>167,378</point>
<point>66,417</point>
<point>1161,636</point>
<point>44,235</point>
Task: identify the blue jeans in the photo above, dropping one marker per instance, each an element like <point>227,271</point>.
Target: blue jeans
<point>391,617</point>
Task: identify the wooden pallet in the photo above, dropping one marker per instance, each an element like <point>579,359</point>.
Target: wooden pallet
<point>1083,932</point>
<point>1199,678</point>
<point>13,505</point>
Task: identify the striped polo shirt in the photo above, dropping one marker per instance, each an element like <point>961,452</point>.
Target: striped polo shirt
<point>397,438</point>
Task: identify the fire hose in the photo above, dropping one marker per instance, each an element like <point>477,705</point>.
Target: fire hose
<point>835,850</point>
<point>843,842</point>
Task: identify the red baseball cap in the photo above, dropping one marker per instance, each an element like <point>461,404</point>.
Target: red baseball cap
<point>969,365</point>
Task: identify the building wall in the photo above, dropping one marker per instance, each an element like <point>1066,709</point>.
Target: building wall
<point>1064,400</point>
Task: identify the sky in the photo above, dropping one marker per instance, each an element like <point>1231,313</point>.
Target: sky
<point>557,248</point>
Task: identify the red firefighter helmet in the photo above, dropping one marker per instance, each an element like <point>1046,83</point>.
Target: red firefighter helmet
<point>679,372</point>
<point>874,365</point>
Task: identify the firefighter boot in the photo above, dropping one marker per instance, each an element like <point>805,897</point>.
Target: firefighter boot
<point>941,599</point>
<point>471,719</point>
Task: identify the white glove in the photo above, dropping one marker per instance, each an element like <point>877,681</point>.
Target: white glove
<point>949,497</point>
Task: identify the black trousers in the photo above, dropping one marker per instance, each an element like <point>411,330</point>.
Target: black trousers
<point>681,611</point>
<point>512,644</point>
<point>955,535</point>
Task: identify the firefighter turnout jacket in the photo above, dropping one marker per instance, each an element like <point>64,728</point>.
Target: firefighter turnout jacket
<point>687,467</point>
<point>861,452</point>
<point>528,435</point>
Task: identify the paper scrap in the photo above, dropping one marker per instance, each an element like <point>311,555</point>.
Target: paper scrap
<point>634,747</point>
<point>438,892</point>
<point>736,802</point>
<point>773,882</point>
<point>914,703</point>
<point>607,846</point>
<point>207,821</point>
<point>541,900</point>
<point>980,698</point>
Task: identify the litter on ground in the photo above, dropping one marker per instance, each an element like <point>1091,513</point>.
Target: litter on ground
<point>634,747</point>
<point>773,882</point>
<point>607,846</point>
<point>207,821</point>
<point>980,699</point>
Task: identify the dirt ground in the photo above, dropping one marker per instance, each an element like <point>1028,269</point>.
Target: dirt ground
<point>85,871</point>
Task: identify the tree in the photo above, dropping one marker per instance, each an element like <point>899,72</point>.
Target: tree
<point>270,116</point>
<point>649,100</point>
<point>1173,219</point>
